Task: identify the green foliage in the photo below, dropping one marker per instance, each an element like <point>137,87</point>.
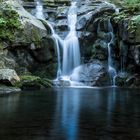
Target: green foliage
<point>132,2</point>
<point>30,78</point>
<point>119,17</point>
<point>136,19</point>
<point>9,22</point>
<point>31,81</point>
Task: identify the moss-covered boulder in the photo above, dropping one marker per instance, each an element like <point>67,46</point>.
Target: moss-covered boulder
<point>29,82</point>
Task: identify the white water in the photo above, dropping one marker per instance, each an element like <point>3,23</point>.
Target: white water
<point>58,41</point>
<point>59,44</point>
<point>70,45</point>
<point>71,52</point>
<point>39,10</point>
<point>111,69</point>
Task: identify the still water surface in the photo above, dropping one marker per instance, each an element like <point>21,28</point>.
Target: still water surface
<point>71,114</point>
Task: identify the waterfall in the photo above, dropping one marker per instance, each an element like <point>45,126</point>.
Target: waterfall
<point>59,44</point>
<point>70,45</point>
<point>58,41</point>
<point>111,69</point>
<point>71,52</point>
<point>39,10</point>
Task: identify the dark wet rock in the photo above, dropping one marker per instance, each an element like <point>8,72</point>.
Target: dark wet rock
<point>135,53</point>
<point>6,61</point>
<point>89,12</point>
<point>120,79</point>
<point>62,12</point>
<point>133,81</point>
<point>56,3</point>
<point>62,25</point>
<point>99,50</point>
<point>29,4</point>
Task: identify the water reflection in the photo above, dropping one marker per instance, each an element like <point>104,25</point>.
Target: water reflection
<point>9,104</point>
<point>68,107</point>
<point>71,114</point>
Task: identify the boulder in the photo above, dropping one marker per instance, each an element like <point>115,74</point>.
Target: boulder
<point>30,82</point>
<point>8,77</point>
<point>133,81</point>
<point>91,74</point>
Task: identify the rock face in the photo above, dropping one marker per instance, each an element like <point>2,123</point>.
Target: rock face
<point>32,46</point>
<point>94,36</point>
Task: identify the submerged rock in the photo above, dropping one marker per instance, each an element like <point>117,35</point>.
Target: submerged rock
<point>7,90</point>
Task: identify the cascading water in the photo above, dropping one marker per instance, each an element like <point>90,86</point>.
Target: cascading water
<point>39,10</point>
<point>70,45</point>
<point>59,44</point>
<point>71,52</point>
<point>57,39</point>
<point>111,69</point>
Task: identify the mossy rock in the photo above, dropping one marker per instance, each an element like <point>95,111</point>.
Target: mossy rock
<point>29,82</point>
<point>9,22</point>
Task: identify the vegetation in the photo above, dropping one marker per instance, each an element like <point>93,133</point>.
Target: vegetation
<point>33,82</point>
<point>132,2</point>
<point>9,22</point>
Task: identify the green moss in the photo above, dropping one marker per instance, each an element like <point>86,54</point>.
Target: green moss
<point>1,47</point>
<point>29,78</point>
<point>9,23</point>
<point>119,17</point>
<point>132,2</point>
<point>33,82</point>
<point>136,19</point>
